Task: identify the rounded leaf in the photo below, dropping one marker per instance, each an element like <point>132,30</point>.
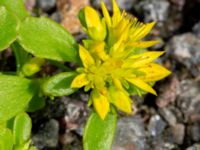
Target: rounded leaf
<point>59,85</point>
<point>98,133</point>
<point>8,28</point>
<point>22,129</point>
<point>6,139</point>
<point>15,93</point>
<point>47,39</point>
<point>17,7</point>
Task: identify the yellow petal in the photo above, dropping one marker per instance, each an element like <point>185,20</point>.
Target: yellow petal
<point>154,72</point>
<point>141,84</point>
<point>121,30</point>
<point>92,17</point>
<point>101,103</point>
<point>118,46</point>
<point>98,51</point>
<point>85,56</point>
<point>79,81</point>
<point>117,83</point>
<point>143,44</point>
<point>116,13</point>
<point>140,32</point>
<point>106,14</point>
<point>120,99</point>
<point>139,60</point>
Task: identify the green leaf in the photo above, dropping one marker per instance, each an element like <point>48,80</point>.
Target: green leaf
<point>47,39</point>
<point>17,7</point>
<point>36,103</point>
<point>22,129</point>
<point>8,28</point>
<point>15,93</point>
<point>81,16</point>
<point>59,85</point>
<point>98,133</point>
<point>6,139</point>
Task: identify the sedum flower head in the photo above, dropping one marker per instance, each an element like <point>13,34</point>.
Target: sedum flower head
<point>113,59</point>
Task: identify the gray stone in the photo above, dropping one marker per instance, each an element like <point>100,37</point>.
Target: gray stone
<point>126,4</point>
<point>178,132</point>
<point>161,145</point>
<point>130,134</point>
<point>185,49</point>
<point>46,5</point>
<point>47,135</point>
<point>168,115</point>
<point>155,10</point>
<point>188,100</point>
<point>156,126</point>
<point>73,111</point>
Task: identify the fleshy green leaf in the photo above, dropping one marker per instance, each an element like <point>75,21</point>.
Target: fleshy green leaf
<point>59,85</point>
<point>8,28</point>
<point>17,7</point>
<point>6,139</point>
<point>15,93</point>
<point>98,133</point>
<point>22,129</point>
<point>36,103</point>
<point>46,39</point>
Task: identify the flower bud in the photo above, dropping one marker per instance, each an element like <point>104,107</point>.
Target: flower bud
<point>32,66</point>
<point>92,24</point>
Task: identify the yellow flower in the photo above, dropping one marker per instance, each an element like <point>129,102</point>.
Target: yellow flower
<point>111,65</point>
<point>122,26</point>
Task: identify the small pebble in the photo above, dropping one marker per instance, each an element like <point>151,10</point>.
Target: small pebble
<point>156,125</point>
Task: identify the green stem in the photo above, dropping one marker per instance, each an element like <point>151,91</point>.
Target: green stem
<point>59,65</point>
<point>21,56</point>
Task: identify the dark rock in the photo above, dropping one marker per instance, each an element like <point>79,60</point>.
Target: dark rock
<point>47,136</point>
<point>185,49</point>
<point>194,132</point>
<point>168,115</point>
<point>130,134</point>
<point>156,126</point>
<point>190,14</point>
<point>46,5</point>
<point>56,16</point>
<point>178,132</point>
<point>178,3</point>
<point>194,147</point>
<point>196,29</point>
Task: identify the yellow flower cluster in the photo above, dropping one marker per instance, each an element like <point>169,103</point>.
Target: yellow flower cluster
<point>111,60</point>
